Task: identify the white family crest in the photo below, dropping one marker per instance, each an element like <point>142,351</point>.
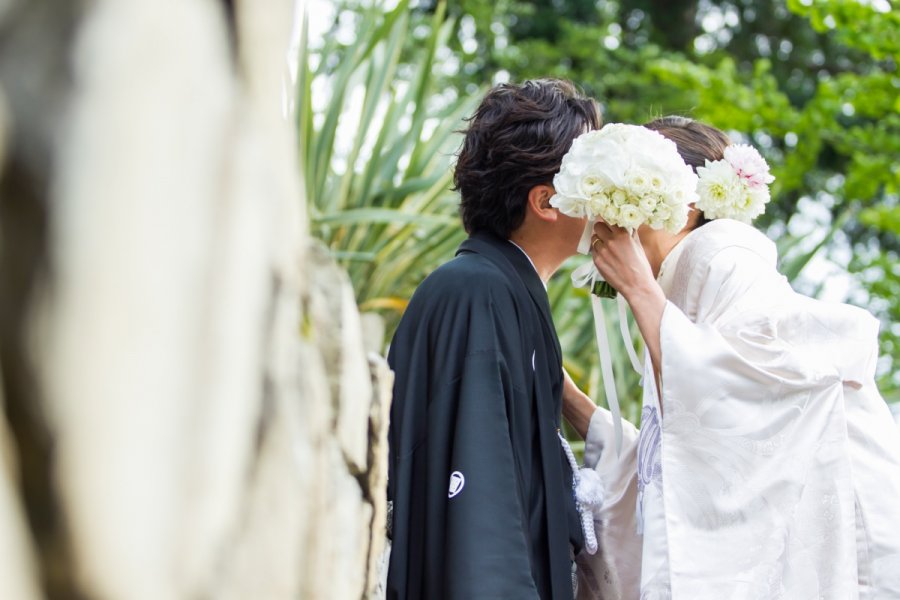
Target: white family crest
<point>457,482</point>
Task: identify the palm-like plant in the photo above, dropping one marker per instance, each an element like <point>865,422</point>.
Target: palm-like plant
<point>378,171</point>
<point>381,199</point>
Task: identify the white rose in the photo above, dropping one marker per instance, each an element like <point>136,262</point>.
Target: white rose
<point>648,205</point>
<point>598,203</point>
<point>589,184</point>
<point>663,211</point>
<point>630,217</point>
<point>639,181</point>
<point>610,214</point>
<point>676,222</point>
<point>618,197</point>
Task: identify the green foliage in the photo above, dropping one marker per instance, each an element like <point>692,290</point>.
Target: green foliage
<point>812,83</point>
<point>881,273</point>
<point>858,25</point>
<point>380,200</point>
<point>814,86</point>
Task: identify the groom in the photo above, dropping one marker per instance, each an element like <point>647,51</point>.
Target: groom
<point>481,489</point>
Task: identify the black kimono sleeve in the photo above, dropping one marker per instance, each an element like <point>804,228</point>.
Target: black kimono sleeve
<point>461,396</point>
<point>487,540</point>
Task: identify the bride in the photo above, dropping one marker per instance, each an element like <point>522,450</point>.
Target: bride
<point>767,464</point>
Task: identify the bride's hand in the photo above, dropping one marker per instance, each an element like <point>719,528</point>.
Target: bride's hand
<point>620,259</point>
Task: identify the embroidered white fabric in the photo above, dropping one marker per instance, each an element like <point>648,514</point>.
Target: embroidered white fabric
<point>771,467</point>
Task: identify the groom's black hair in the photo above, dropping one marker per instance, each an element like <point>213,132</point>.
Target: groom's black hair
<point>516,140</point>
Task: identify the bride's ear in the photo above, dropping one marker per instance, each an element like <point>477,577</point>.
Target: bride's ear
<point>539,203</point>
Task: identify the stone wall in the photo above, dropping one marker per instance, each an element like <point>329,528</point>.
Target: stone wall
<point>189,408</point>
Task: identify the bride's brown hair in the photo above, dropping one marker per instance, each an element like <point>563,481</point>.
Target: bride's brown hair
<point>696,141</point>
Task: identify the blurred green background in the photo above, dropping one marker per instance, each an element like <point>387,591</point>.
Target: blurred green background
<point>382,91</point>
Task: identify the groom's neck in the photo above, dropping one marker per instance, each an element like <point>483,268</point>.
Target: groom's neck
<point>544,255</point>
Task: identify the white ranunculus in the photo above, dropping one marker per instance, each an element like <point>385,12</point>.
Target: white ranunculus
<point>648,204</point>
<point>598,204</point>
<point>631,217</point>
<point>588,184</point>
<point>639,181</point>
<point>759,198</point>
<point>663,211</point>
<point>614,133</point>
<point>611,214</point>
<point>677,221</point>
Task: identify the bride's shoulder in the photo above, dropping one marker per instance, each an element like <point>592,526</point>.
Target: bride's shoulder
<point>721,255</point>
<point>710,240</point>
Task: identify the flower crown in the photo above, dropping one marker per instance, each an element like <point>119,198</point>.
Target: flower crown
<point>735,187</point>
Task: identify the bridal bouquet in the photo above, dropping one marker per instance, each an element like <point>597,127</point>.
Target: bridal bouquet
<point>626,175</point>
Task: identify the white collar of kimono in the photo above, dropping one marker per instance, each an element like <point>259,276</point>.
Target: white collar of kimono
<point>530,261</point>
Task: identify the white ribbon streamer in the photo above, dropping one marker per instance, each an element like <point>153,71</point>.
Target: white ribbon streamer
<point>584,244</point>
<point>585,276</point>
<point>626,337</point>
<point>609,382</point>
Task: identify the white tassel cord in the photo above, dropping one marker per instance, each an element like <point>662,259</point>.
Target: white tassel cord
<point>589,494</point>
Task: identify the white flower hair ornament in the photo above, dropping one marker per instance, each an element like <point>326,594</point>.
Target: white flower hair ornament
<point>736,186</point>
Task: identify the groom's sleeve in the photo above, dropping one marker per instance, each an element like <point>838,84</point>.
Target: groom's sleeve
<point>488,548</point>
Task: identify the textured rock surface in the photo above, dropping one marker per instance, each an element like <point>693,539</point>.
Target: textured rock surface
<point>189,408</point>
<point>17,575</point>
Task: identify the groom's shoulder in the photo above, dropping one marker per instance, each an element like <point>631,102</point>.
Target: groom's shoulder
<point>468,275</point>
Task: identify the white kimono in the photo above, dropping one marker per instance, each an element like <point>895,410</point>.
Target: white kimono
<point>771,467</point>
